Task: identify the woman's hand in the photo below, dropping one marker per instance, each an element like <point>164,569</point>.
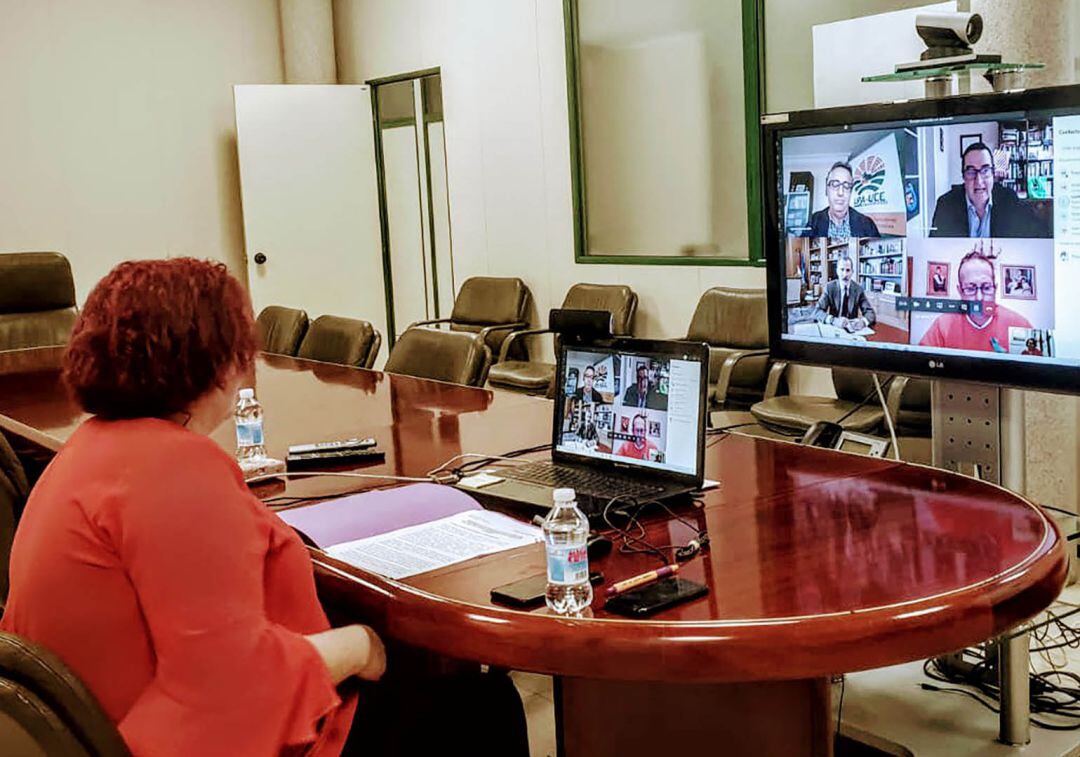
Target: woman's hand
<point>351,651</point>
<point>376,657</point>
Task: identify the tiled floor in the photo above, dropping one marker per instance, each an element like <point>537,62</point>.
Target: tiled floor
<point>887,703</point>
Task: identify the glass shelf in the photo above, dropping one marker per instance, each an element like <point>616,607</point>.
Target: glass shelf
<point>933,72</point>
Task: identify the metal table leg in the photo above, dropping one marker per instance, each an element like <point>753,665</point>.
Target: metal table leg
<point>1014,727</point>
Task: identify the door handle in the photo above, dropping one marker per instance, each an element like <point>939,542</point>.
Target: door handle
<point>260,258</point>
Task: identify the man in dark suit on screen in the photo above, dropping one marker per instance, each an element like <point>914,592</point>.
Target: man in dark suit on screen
<point>982,208</point>
<point>843,303</point>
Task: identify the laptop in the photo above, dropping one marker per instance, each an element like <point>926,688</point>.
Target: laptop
<point>628,427</point>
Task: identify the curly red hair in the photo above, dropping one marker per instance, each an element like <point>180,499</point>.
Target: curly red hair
<point>155,335</point>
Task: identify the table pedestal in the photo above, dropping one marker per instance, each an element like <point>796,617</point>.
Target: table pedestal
<point>623,719</point>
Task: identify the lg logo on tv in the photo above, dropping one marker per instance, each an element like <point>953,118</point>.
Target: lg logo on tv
<point>937,364</point>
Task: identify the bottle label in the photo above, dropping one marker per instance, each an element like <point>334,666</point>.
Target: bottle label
<point>567,566</point>
<point>249,433</point>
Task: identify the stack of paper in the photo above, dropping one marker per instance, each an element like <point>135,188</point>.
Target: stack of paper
<point>408,530</point>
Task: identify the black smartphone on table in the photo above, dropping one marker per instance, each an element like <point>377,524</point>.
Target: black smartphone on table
<point>654,597</point>
<point>529,592</point>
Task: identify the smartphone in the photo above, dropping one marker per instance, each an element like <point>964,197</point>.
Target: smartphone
<point>654,597</point>
<point>529,592</point>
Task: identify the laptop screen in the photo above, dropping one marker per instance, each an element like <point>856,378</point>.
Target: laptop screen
<point>632,407</point>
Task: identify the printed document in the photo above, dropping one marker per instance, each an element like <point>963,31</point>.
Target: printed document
<point>436,544</point>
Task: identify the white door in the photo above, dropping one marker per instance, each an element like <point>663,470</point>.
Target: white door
<point>310,197</point>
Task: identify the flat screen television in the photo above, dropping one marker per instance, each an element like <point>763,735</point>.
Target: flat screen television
<point>943,237</point>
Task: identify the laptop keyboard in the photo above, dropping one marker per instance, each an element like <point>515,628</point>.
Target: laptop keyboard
<point>602,485</point>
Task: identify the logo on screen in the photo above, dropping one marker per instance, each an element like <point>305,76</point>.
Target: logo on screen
<point>869,180</point>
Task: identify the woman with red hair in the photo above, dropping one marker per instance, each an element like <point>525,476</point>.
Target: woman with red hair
<point>143,560</point>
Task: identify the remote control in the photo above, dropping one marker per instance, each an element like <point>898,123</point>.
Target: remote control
<point>309,460</point>
<point>353,443</point>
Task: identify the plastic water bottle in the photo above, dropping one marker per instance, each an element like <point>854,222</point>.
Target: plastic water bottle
<point>566,536</point>
<point>249,429</point>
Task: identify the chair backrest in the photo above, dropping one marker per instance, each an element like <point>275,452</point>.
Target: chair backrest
<point>853,385</point>
<point>51,705</point>
<point>281,329</point>
<point>488,300</point>
<point>736,318</point>
<point>458,357</point>
<point>345,341</point>
<point>14,489</point>
<point>617,299</point>
<point>37,300</point>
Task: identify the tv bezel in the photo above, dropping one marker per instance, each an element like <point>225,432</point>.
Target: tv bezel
<point>1022,374</point>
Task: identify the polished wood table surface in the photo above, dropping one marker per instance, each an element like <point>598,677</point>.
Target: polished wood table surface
<point>820,562</point>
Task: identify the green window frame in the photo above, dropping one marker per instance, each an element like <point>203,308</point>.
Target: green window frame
<point>753,55</point>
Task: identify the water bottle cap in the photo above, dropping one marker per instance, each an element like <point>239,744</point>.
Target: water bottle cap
<point>247,393</point>
<point>564,495</point>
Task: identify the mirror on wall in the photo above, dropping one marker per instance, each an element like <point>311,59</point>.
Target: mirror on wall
<point>660,127</point>
<point>413,182</point>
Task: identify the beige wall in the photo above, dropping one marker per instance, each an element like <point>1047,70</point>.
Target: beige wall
<point>117,138</point>
<point>507,144</point>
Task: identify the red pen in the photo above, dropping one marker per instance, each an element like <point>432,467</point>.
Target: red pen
<point>640,580</point>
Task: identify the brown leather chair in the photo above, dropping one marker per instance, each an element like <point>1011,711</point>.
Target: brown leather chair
<point>536,377</point>
<point>345,341</point>
<point>734,323</point>
<point>490,306</point>
<point>47,709</point>
<point>793,415</point>
<point>37,300</point>
<point>458,357</point>
<point>281,329</point>
<point>14,489</point>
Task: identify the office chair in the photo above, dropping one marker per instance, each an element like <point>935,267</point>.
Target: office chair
<point>281,329</point>
<point>458,357</point>
<point>14,489</point>
<point>345,341</point>
<point>37,300</point>
<point>734,323</point>
<point>490,306</point>
<point>47,709</point>
<point>794,414</point>
<point>535,377</point>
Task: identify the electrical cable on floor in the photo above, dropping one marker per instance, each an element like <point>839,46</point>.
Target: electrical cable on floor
<point>1054,693</point>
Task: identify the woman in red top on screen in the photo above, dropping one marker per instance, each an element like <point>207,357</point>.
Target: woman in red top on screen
<point>638,448</point>
<point>987,329</point>
<point>143,560</point>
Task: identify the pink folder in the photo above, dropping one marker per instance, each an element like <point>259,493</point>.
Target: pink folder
<point>371,513</point>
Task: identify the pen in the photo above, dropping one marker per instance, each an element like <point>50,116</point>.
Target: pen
<point>640,580</point>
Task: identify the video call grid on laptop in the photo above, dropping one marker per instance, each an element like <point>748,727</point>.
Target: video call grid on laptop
<point>634,405</point>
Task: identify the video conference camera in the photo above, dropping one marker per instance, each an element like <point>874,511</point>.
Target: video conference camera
<point>947,34</point>
<point>948,38</point>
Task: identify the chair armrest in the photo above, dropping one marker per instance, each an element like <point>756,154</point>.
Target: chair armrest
<point>482,379</point>
<point>505,349</point>
<point>500,327</point>
<point>723,381</point>
<point>777,373</point>
<point>432,322</point>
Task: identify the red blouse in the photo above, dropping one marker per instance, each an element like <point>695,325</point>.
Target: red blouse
<point>143,561</point>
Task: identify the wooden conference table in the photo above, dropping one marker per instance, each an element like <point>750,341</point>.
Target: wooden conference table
<point>820,563</point>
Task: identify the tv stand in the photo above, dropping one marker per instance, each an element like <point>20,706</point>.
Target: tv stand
<point>978,430</point>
